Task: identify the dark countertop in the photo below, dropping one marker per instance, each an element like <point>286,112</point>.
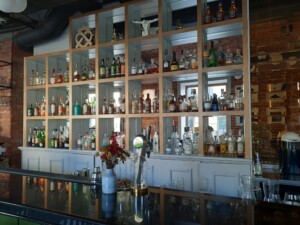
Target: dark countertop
<point>75,200</point>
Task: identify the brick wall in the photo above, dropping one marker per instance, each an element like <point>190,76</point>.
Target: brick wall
<point>11,115</point>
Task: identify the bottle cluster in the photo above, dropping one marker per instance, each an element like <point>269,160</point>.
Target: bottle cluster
<point>36,78</point>
<point>84,73</point>
<point>38,109</point>
<point>225,144</point>
<point>141,67</point>
<point>60,138</point>
<point>141,105</point>
<point>36,137</point>
<point>87,141</point>
<point>183,103</point>
<point>111,70</point>
<point>87,108</point>
<point>58,77</point>
<point>113,106</point>
<point>119,137</point>
<point>224,102</point>
<point>219,57</point>
<point>220,14</point>
<point>187,146</point>
<point>186,61</point>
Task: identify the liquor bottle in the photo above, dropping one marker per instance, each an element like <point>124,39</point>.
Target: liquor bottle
<point>53,107</point>
<point>215,103</point>
<point>113,68</point>
<point>133,67</point>
<point>166,62</point>
<point>93,141</point>
<point>86,141</point>
<point>79,142</point>
<point>36,109</point>
<point>194,60</point>
<point>93,106</point>
<point>61,107</point>
<point>134,103</point>
<point>187,142</point>
<point>188,59</point>
<point>195,140</point>
<point>118,67</point>
<point>105,140</point>
<point>220,12</point>
<point>119,139</point>
<point>140,105</point>
<point>107,69</point>
<point>84,71</point>
<point>122,67</point>
<point>172,104</point>
<point>205,56</point>
<point>230,101</point>
<point>222,101</point>
<point>148,104</point>
<point>212,55</point>
<point>30,111</point>
<point>77,109</point>
<point>223,143</point>
<point>66,74</point>
<point>194,101</point>
<point>238,58</point>
<point>111,106</point>
<point>174,64</point>
<point>76,75</point>
<point>220,55</point>
<point>140,68</point>
<point>29,138</point>
<point>66,135</point>
<point>181,61</point>
<point>67,104</point>
<point>239,101</point>
<point>102,70</point>
<point>174,137</point>
<point>53,77</point>
<point>240,142</point>
<point>37,78</point>
<point>208,15</point>
<point>43,78</point>
<point>122,105</point>
<point>231,143</point>
<point>257,167</point>
<point>104,106</point>
<point>153,68</point>
<point>155,141</point>
<point>155,103</point>
<point>43,107</point>
<point>31,79</point>
<point>168,146</point>
<point>117,106</point>
<point>59,77</point>
<point>233,11</point>
<point>86,107</point>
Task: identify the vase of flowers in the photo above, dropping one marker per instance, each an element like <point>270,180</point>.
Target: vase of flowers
<point>111,155</point>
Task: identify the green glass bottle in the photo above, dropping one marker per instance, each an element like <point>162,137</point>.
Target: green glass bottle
<point>212,56</point>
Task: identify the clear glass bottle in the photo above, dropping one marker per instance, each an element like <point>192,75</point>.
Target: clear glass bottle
<point>104,106</point>
<point>133,67</point>
<point>53,107</point>
<point>194,101</point>
<point>155,103</point>
<point>222,101</point>
<point>37,79</point>
<point>79,142</point>
<point>172,103</point>
<point>155,141</point>
<point>257,166</point>
<point>76,74</point>
<point>107,69</point>
<point>187,142</point>
<point>31,79</point>
<point>194,60</point>
<point>166,61</point>
<point>168,146</point>
<point>122,105</point>
<point>134,103</point>
<point>66,74</point>
<point>238,58</point>
<point>181,61</point>
<point>240,144</point>
<point>231,143</point>
<point>53,77</point>
<point>196,140</point>
<point>230,101</point>
<point>174,137</point>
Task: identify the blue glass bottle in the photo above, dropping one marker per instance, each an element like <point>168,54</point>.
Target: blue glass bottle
<point>77,109</point>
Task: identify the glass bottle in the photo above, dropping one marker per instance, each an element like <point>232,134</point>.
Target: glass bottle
<point>66,74</point>
<point>172,103</point>
<point>104,106</point>
<point>61,107</point>
<point>105,140</point>
<point>223,143</point>
<point>205,56</point>
<point>43,78</point>
<point>77,109</point>
<point>122,70</point>
<point>239,101</point>
<point>122,105</point>
<point>194,101</point>
<point>207,104</point>
<point>113,68</point>
<point>107,69</point>
<point>76,75</point>
<point>230,101</point>
<point>102,74</point>
<point>174,137</point>
<point>222,101</point>
<point>181,61</point>
<point>59,77</point>
<point>188,58</point>
<point>79,142</point>
<point>220,55</point>
<point>53,77</point>
<point>118,67</point>
<point>166,62</point>
<point>140,105</point>
<point>30,110</point>
<point>240,142</point>
<point>212,55</point>
<point>220,12</point>
<point>233,11</point>
<point>231,143</point>
<point>86,108</point>
<point>174,64</point>
<point>208,15</point>
<point>155,141</point>
<point>238,58</point>
<point>153,68</point>
<point>43,107</point>
<point>37,79</point>
<point>53,107</point>
<point>155,103</point>
<point>215,103</point>
<point>134,103</point>
<point>148,104</point>
<point>111,106</point>
<point>257,166</point>
<point>31,78</point>
<point>196,140</point>
<point>194,60</point>
<point>93,106</point>
<point>84,71</point>
<point>228,56</point>
<point>140,68</point>
<point>133,67</point>
<point>187,143</point>
<point>67,104</point>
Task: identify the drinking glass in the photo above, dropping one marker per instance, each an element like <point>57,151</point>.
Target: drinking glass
<point>291,198</point>
<point>269,188</point>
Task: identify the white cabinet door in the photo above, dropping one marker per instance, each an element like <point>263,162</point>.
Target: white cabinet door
<point>32,160</point>
<point>56,162</point>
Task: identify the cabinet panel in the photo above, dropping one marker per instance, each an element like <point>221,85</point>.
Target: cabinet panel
<point>32,161</point>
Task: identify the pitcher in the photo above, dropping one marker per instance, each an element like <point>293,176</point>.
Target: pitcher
<point>247,188</point>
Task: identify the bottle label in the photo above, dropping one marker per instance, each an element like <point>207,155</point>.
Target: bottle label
<point>133,70</point>
<point>172,108</point>
<point>52,109</point>
<point>133,107</point>
<point>84,109</point>
<point>230,147</point>
<point>194,64</point>
<point>240,147</point>
<point>174,67</point>
<point>102,71</point>
<point>166,65</point>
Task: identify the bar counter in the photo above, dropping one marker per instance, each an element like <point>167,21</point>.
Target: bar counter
<point>43,198</point>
